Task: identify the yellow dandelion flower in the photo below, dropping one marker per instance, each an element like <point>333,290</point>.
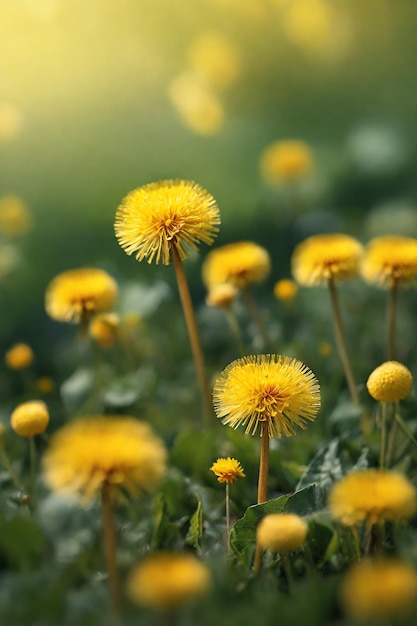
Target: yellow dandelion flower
<point>172,213</point>
<point>77,294</point>
<point>103,329</point>
<point>215,56</point>
<point>20,356</point>
<point>166,580</point>
<point>88,453</point>
<point>30,418</point>
<point>281,532</point>
<point>372,496</point>
<point>15,218</point>
<point>267,388</point>
<point>198,107</point>
<point>45,384</point>
<point>390,382</point>
<point>285,290</point>
<point>390,261</point>
<point>222,295</point>
<point>377,590</point>
<point>321,258</point>
<point>238,263</point>
<point>227,470</point>
<point>285,161</point>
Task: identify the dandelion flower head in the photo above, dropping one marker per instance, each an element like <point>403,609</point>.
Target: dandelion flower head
<point>153,219</point>
<point>19,356</point>
<point>379,589</point>
<point>390,260</point>
<point>285,290</point>
<point>390,382</point>
<point>77,294</point>
<point>165,580</point>
<point>238,263</point>
<point>227,470</point>
<point>222,295</point>
<point>323,258</point>
<point>281,532</point>
<point>30,418</point>
<point>286,161</point>
<point>90,452</point>
<point>267,388</point>
<point>372,496</point>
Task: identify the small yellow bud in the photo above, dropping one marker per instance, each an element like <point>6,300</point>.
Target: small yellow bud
<point>19,357</point>
<point>30,418</point>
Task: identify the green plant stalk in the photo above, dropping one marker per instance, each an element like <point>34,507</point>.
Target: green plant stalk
<point>228,515</point>
<point>233,323</point>
<point>32,456</point>
<point>341,342</point>
<point>109,543</point>
<point>256,316</point>
<point>392,314</point>
<point>392,437</point>
<point>383,443</point>
<point>373,539</point>
<point>191,324</point>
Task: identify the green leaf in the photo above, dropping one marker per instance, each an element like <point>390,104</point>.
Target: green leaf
<point>321,538</point>
<point>195,532</point>
<point>125,391</point>
<point>77,388</point>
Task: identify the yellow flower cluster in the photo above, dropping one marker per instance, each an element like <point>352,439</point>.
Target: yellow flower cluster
<point>390,382</point>
<point>227,470</point>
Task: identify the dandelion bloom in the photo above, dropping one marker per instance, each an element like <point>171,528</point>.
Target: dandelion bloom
<point>238,263</point>
<point>103,329</point>
<point>166,580</point>
<point>15,218</point>
<point>321,258</point>
<point>163,215</point>
<point>390,382</point>
<point>390,261</point>
<point>227,470</point>
<point>90,452</point>
<point>379,590</point>
<point>19,357</point>
<point>281,532</point>
<point>279,390</point>
<point>372,496</point>
<point>221,296</point>
<point>285,290</point>
<point>30,418</point>
<point>286,160</point>
<point>77,294</point>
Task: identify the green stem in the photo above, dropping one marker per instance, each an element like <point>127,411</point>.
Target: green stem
<point>383,443</point>
<point>288,571</point>
<point>256,316</point>
<point>233,323</point>
<point>341,342</point>
<point>228,515</point>
<point>32,455</point>
<point>373,539</point>
<point>109,541</point>
<point>392,437</point>
<point>392,313</point>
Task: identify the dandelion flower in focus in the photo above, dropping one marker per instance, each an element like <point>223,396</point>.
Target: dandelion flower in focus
<point>214,56</point>
<point>390,382</point>
<point>198,107</point>
<point>166,581</point>
<point>227,470</point>
<point>377,590</point>
<point>284,161</point>
<point>390,261</point>
<point>20,356</point>
<point>75,295</point>
<point>372,496</point>
<point>103,329</point>
<point>90,453</point>
<point>30,418</point>
<point>15,218</point>
<point>168,214</point>
<point>281,532</point>
<point>238,263</point>
<point>270,388</point>
<point>285,290</point>
<point>323,258</point>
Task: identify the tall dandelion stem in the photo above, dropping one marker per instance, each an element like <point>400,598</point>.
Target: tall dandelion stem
<point>383,443</point>
<point>263,465</point>
<point>341,342</point>
<point>392,314</point>
<point>228,515</point>
<point>109,541</point>
<point>192,329</point>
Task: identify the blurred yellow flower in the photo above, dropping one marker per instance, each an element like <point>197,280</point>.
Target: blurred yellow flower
<point>91,452</point>
<point>390,261</point>
<point>11,121</point>
<point>222,295</point>
<point>103,329</point>
<point>227,470</point>
<point>215,57</point>
<point>285,161</point>
<point>390,382</point>
<point>238,263</point>
<point>272,388</point>
<point>321,258</point>
<point>167,580</point>
<point>379,590</point>
<point>15,218</point>
<point>372,496</point>
<point>285,290</point>
<point>281,532</point>
<point>198,107</point>
<point>171,213</point>
<point>77,294</point>
<point>45,384</point>
<point>30,418</point>
<point>20,356</point>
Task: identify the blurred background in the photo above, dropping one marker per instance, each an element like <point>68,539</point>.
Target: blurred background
<point>100,97</point>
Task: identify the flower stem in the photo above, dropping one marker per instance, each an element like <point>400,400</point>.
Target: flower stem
<point>109,541</point>
<point>32,456</point>
<point>341,342</point>
<point>228,515</point>
<point>383,443</point>
<point>373,539</point>
<point>256,316</point>
<point>392,436</point>
<point>392,314</point>
<point>262,485</point>
<point>234,325</point>
<point>192,330</point>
